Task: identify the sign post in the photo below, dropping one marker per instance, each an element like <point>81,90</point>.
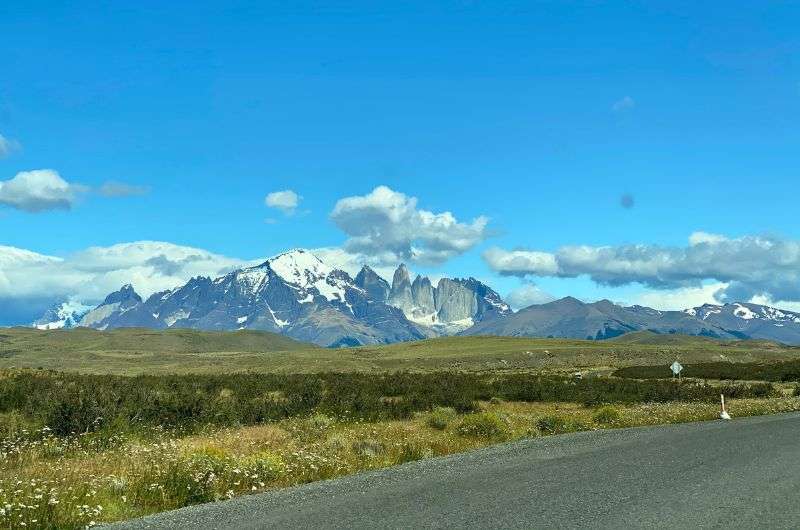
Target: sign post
<point>676,368</point>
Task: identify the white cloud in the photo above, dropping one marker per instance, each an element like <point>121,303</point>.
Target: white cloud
<point>749,265</point>
<point>521,262</point>
<point>679,299</point>
<point>623,104</point>
<point>526,295</point>
<point>285,200</point>
<point>7,146</point>
<point>39,190</point>
<point>339,258</point>
<point>29,282</point>
<point>698,238</point>
<point>120,189</point>
<point>387,226</point>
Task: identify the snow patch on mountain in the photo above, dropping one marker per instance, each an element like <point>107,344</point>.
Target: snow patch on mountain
<point>65,315</point>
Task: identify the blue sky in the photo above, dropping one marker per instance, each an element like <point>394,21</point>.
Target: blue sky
<point>540,116</point>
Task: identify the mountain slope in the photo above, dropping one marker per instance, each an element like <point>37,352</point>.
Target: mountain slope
<point>65,315</point>
<point>571,318</point>
<point>452,306</point>
<point>294,293</point>
<point>752,321</point>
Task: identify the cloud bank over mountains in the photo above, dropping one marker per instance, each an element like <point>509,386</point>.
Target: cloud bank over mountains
<point>30,282</point>
<point>382,229</point>
<point>748,266</point>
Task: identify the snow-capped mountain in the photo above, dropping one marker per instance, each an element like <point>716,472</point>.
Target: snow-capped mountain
<point>752,320</point>
<point>294,293</point>
<point>64,315</point>
<point>571,318</point>
<point>298,295</point>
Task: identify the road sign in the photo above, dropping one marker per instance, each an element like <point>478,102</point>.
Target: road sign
<point>676,368</point>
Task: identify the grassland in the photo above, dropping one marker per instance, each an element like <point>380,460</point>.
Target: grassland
<point>137,351</point>
<point>77,450</point>
<point>103,426</point>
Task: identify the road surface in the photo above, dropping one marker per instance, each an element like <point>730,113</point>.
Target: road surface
<point>739,474</point>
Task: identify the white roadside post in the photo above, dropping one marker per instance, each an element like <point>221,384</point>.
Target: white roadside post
<point>724,413</point>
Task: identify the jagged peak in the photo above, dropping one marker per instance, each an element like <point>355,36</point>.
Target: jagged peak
<point>420,279</point>
<point>401,276</point>
<point>125,293</point>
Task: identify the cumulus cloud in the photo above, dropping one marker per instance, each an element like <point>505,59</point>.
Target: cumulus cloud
<point>30,282</point>
<point>339,258</point>
<point>749,266</point>
<point>285,200</point>
<point>388,226</point>
<point>623,104</point>
<point>683,298</point>
<point>521,262</point>
<point>39,190</point>
<point>7,146</point>
<point>526,295</point>
<point>120,189</point>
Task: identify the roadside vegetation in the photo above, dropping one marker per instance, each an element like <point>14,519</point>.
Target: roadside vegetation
<point>78,450</point>
<point>787,371</point>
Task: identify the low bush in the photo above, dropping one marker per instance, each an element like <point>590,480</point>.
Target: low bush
<point>551,424</point>
<point>78,403</point>
<point>368,448</point>
<point>412,451</point>
<point>483,425</point>
<point>606,416</point>
<point>440,418</point>
<point>264,467</point>
<point>784,371</point>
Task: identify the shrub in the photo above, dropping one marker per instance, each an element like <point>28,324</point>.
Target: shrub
<point>264,467</point>
<point>606,415</point>
<point>336,443</point>
<point>412,451</point>
<point>79,403</point>
<point>321,422</point>
<point>551,424</point>
<point>368,448</point>
<point>483,425</point>
<point>440,418</point>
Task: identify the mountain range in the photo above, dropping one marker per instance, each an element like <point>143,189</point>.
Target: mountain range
<point>298,295</point>
<point>571,318</point>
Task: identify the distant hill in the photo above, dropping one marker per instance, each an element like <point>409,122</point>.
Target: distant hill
<point>143,351</point>
<point>663,339</point>
<point>571,318</point>
<point>13,340</point>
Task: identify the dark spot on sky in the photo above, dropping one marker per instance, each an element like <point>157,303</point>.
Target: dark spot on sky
<point>626,201</point>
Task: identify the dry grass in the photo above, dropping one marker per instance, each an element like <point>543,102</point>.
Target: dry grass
<point>138,351</point>
<point>48,482</point>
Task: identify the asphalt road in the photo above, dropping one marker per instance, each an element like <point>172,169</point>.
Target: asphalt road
<point>739,474</point>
